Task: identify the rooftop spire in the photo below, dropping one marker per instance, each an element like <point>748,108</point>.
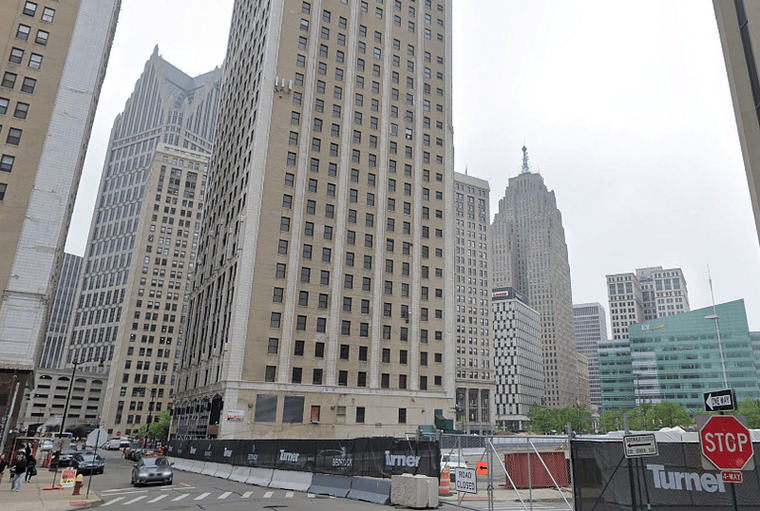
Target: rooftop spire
<point>525,164</point>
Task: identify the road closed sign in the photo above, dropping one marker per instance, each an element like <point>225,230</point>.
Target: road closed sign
<point>466,480</point>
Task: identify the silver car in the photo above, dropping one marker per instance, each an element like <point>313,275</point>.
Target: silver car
<point>88,463</point>
<point>152,470</point>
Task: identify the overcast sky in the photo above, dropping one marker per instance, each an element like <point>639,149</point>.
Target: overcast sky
<point>624,107</point>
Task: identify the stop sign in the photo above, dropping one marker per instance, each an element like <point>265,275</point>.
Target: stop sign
<point>726,442</point>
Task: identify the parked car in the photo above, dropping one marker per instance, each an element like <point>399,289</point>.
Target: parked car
<point>65,456</point>
<point>88,463</point>
<point>135,451</point>
<point>46,445</point>
<point>454,461</point>
<point>124,442</point>
<point>152,470</point>
<point>113,444</point>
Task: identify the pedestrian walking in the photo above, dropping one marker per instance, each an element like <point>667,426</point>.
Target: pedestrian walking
<point>31,468</point>
<point>18,470</point>
<point>3,466</point>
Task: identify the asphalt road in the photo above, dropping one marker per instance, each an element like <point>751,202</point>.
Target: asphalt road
<point>195,491</point>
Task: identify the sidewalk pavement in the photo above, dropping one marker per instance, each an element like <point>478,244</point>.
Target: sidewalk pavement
<point>33,496</point>
<point>503,494</point>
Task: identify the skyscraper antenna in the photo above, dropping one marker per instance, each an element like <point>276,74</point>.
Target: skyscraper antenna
<point>525,164</point>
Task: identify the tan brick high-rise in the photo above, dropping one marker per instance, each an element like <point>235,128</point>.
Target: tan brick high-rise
<point>323,298</point>
<point>52,63</point>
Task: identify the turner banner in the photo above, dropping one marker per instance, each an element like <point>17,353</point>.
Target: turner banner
<point>674,480</point>
<point>370,457</point>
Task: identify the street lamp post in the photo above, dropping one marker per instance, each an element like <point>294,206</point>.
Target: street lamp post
<point>715,316</point>
<point>151,404</point>
<point>10,414</point>
<point>150,411</point>
<point>65,411</point>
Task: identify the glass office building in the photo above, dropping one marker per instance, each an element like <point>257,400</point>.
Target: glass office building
<point>678,359</point>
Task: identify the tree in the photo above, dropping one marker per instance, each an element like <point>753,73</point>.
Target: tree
<point>614,420</point>
<point>159,430</point>
<point>668,414</point>
<point>541,419</point>
<point>545,420</point>
<point>750,408</point>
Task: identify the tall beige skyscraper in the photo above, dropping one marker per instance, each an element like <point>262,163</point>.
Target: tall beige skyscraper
<point>647,293</point>
<point>54,56</point>
<point>530,255</point>
<point>474,331</point>
<point>323,300</point>
<point>739,28</point>
<point>130,313</point>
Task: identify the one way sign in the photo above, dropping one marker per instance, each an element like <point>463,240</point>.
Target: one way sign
<point>720,400</point>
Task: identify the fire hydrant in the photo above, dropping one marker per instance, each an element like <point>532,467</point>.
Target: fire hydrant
<point>78,484</point>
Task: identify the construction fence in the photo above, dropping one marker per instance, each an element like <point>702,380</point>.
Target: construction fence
<point>673,480</point>
<point>515,472</point>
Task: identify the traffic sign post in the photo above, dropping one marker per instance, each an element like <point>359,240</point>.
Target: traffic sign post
<point>637,446</point>
<point>720,400</point>
<point>726,443</point>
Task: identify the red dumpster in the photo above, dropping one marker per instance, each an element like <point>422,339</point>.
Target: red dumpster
<point>516,464</point>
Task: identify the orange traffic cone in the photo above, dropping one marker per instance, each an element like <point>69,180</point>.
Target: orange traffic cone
<point>444,487</point>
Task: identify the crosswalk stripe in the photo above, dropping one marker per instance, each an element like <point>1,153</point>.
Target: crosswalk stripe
<point>180,497</point>
<point>268,495</point>
<point>114,501</point>
<point>160,497</point>
<point>224,495</point>
<point>137,499</point>
<point>246,495</point>
<point>202,496</point>
<point>289,495</point>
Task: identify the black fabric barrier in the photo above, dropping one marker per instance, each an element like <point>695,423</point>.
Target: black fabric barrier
<point>370,457</point>
<point>672,481</point>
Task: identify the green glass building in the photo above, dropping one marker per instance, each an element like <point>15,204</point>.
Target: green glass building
<point>678,358</point>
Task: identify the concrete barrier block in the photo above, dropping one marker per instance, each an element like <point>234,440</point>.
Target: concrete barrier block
<point>337,486</point>
<point>197,466</point>
<point>209,468</point>
<point>260,476</point>
<point>291,480</point>
<point>240,474</point>
<point>224,471</point>
<point>411,491</point>
<point>176,462</point>
<point>433,491</point>
<point>180,463</point>
<point>370,490</point>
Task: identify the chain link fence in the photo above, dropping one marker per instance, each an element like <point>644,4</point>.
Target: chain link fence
<point>515,472</point>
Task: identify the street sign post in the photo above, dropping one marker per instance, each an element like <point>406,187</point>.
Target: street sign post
<point>638,446</point>
<point>720,400</point>
<point>726,443</point>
